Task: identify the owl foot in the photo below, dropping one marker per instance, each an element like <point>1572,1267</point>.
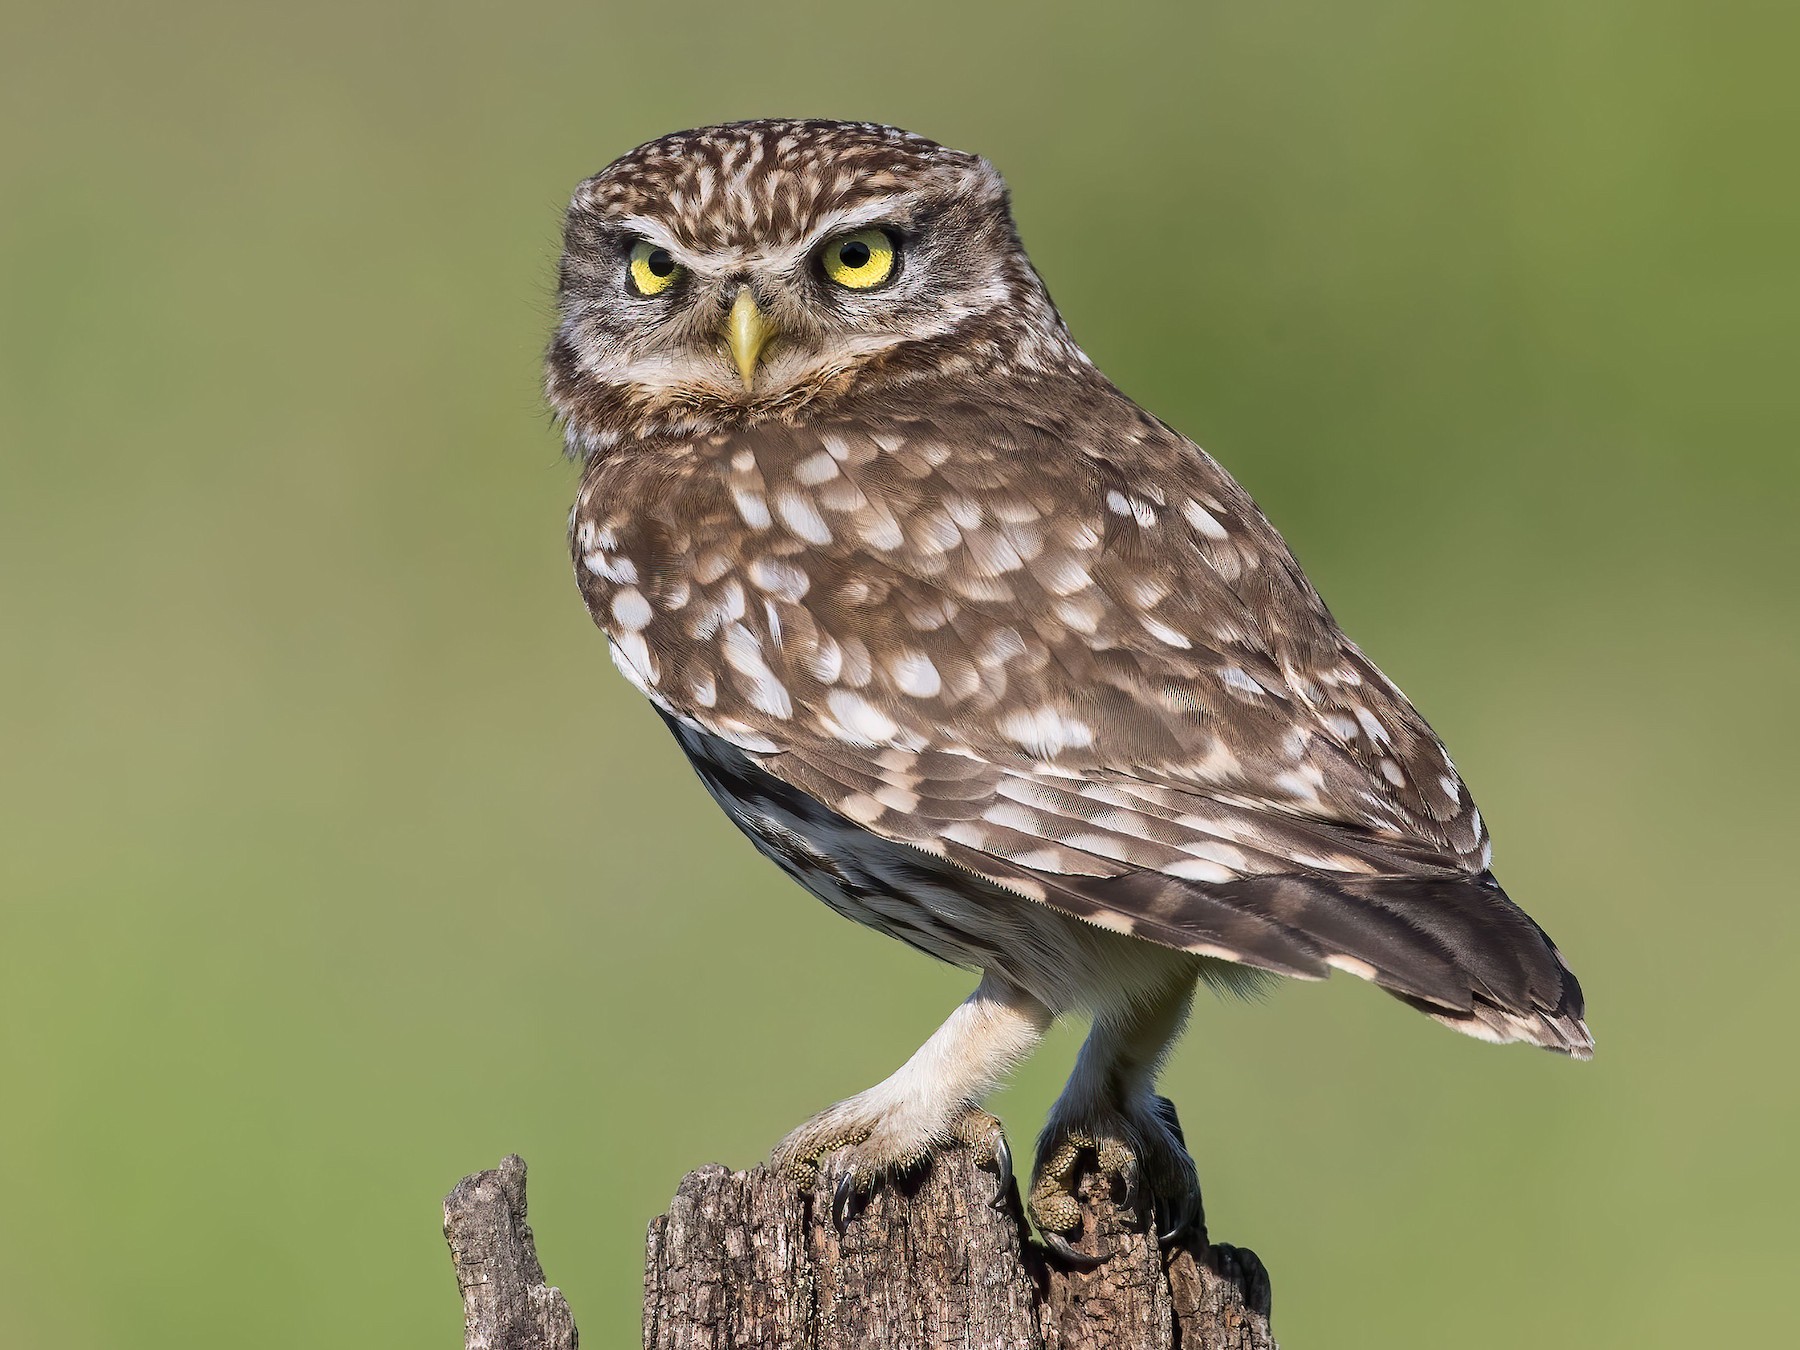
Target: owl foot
<point>1139,1155</point>
<point>880,1147</point>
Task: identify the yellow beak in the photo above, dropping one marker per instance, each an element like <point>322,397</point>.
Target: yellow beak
<point>747,332</point>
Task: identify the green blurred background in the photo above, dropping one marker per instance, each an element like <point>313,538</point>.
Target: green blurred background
<point>338,862</point>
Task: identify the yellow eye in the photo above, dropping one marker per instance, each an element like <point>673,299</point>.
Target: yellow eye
<point>653,271</point>
<point>860,260</point>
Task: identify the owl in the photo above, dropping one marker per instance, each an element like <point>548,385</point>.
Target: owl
<point>987,657</point>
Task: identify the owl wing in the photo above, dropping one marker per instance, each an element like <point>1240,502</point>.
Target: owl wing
<point>1078,662</point>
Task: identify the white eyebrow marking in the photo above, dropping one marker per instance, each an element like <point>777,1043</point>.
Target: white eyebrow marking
<point>778,256</point>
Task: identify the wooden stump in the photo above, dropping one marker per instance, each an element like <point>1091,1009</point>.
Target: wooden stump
<point>506,1305</point>
<point>742,1261</point>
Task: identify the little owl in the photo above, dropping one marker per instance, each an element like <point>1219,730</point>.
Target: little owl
<point>984,655</point>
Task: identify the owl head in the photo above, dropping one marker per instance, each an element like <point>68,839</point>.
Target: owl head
<point>760,268</point>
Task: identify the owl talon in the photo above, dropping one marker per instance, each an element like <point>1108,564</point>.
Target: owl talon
<point>1138,1149</point>
<point>1003,1171</point>
<point>847,1201</point>
<point>1182,1216</point>
<point>1069,1256</point>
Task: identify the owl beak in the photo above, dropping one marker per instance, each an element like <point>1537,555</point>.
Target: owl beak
<point>747,332</point>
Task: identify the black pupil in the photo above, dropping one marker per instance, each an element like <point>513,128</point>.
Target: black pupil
<point>854,254</point>
<point>659,262</point>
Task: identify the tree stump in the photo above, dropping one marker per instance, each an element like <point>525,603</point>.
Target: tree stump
<point>742,1261</point>
<point>506,1305</point>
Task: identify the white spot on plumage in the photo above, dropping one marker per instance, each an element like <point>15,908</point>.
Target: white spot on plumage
<point>897,798</point>
<point>815,469</point>
<point>1301,783</point>
<point>1239,679</point>
<point>631,610</point>
<point>881,531</point>
<point>1111,920</point>
<point>1165,634</point>
<point>988,590</point>
<point>992,552</point>
<point>861,807</point>
<point>1011,815</point>
<point>1135,507</point>
<point>751,507</point>
<point>1011,510</point>
<point>632,656</point>
<point>1046,731</point>
<point>935,532</point>
<point>1044,859</point>
<point>1081,536</point>
<point>965,832</point>
<point>780,578</point>
<point>611,568</point>
<point>744,736</point>
<point>826,660</point>
<point>1081,613</point>
<point>1203,520</point>
<point>927,614</point>
<point>1351,965</point>
<point>857,720</point>
<point>914,674</point>
<point>800,515</point>
<point>858,668</point>
<point>965,511</point>
<point>731,600</point>
<point>1199,869</point>
<point>1063,574</point>
<point>1371,728</point>
<point>743,653</point>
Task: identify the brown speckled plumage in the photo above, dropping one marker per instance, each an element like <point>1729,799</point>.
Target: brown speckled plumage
<point>945,621</point>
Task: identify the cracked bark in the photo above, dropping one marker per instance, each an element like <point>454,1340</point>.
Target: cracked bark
<point>743,1262</point>
<point>506,1305</point>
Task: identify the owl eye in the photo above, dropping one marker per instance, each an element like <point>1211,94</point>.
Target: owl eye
<point>861,260</point>
<point>653,271</point>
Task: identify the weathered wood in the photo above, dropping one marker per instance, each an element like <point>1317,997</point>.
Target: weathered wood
<point>742,1261</point>
<point>506,1305</point>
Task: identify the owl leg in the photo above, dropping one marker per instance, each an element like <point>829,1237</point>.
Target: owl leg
<point>1109,1119</point>
<point>933,1100</point>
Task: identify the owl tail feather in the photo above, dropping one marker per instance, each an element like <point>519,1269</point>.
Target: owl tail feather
<point>1453,946</point>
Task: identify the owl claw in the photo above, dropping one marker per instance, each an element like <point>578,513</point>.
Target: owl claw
<point>1069,1256</point>
<point>1140,1149</point>
<point>870,1155</point>
<point>984,1133</point>
<point>1003,1166</point>
<point>847,1201</point>
<point>1177,1218</point>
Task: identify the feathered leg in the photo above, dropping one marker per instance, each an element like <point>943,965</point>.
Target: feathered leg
<point>932,1100</point>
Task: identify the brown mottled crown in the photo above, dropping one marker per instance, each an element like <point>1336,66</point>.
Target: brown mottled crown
<point>773,178</point>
